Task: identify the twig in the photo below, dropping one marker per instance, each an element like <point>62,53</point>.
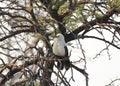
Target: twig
<point>81,71</point>
<point>101,40</point>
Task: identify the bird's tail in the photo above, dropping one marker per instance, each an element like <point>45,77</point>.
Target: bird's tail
<point>67,64</point>
<point>63,63</point>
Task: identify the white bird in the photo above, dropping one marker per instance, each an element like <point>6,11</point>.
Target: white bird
<point>60,50</point>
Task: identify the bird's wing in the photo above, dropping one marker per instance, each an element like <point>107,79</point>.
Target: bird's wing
<point>52,44</point>
<point>66,63</point>
<point>66,51</point>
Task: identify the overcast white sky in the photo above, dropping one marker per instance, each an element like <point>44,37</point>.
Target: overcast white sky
<point>101,70</point>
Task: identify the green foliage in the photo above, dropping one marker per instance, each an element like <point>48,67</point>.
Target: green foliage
<point>75,17</point>
<point>63,8</point>
<point>40,37</point>
<point>1,65</point>
<point>20,19</point>
<point>29,8</point>
<point>57,3</point>
<point>113,3</point>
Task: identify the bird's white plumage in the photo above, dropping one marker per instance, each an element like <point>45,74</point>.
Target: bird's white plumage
<point>59,45</point>
<point>61,51</point>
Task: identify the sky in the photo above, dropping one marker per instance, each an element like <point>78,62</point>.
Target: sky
<point>103,69</point>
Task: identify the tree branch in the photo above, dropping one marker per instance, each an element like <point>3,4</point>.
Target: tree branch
<point>103,19</point>
<point>81,71</point>
<point>15,33</point>
<point>101,40</point>
<point>15,69</point>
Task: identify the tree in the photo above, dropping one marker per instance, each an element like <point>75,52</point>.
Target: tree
<point>29,26</point>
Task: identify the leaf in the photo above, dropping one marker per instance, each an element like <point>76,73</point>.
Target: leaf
<point>113,3</point>
<point>29,8</point>
<point>63,8</point>
<point>1,65</point>
<point>20,19</point>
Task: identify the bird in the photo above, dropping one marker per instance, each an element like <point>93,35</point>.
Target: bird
<point>60,50</point>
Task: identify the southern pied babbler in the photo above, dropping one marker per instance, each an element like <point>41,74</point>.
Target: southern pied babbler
<point>61,52</point>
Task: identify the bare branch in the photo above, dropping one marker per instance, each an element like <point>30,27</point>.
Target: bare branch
<point>15,33</point>
<point>101,40</point>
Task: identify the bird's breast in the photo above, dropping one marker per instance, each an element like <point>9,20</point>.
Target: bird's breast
<point>59,49</point>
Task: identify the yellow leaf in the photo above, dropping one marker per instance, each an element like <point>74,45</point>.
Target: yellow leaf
<point>29,8</point>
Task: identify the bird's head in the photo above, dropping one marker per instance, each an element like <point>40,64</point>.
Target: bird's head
<point>59,36</point>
